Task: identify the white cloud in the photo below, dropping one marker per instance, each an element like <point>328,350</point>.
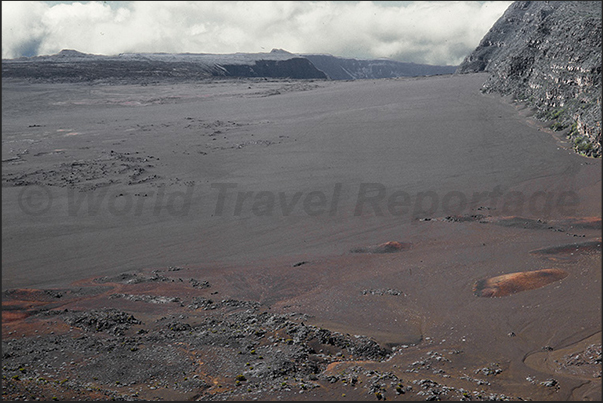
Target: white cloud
<point>22,27</point>
<point>421,32</point>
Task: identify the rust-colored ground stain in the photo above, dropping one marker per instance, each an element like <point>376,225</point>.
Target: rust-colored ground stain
<point>21,303</point>
<point>512,283</point>
<point>387,247</point>
<point>11,316</point>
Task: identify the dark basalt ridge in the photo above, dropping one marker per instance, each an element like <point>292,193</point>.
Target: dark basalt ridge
<point>73,66</point>
<point>339,68</point>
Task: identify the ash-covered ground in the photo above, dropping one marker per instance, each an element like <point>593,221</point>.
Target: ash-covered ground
<point>294,239</point>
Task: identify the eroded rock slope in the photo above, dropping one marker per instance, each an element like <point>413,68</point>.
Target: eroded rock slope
<point>548,55</point>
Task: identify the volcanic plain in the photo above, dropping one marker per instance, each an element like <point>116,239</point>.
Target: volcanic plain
<point>239,239</point>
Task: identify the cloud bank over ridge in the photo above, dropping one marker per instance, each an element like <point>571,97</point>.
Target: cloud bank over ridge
<point>440,33</point>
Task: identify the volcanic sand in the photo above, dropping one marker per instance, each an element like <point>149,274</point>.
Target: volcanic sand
<point>264,187</point>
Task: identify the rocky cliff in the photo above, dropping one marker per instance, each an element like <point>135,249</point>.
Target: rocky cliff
<point>548,55</point>
<point>339,68</point>
<point>72,66</point>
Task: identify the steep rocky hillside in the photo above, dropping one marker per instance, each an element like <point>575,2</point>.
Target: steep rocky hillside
<point>548,55</point>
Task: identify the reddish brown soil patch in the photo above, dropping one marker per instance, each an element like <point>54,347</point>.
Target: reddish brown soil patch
<point>507,284</point>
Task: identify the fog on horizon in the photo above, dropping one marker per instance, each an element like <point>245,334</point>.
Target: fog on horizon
<point>438,32</point>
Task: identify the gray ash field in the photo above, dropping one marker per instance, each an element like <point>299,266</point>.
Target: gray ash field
<point>233,239</point>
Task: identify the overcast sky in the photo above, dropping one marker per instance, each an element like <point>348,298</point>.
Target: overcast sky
<point>440,33</point>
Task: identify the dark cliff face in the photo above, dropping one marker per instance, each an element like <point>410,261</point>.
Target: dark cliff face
<point>548,55</point>
<point>296,67</point>
<point>338,68</point>
<point>93,69</point>
<point>73,66</point>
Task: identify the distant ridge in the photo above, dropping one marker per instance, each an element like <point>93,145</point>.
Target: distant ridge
<point>548,55</point>
<point>72,54</point>
<point>71,66</point>
<point>339,68</point>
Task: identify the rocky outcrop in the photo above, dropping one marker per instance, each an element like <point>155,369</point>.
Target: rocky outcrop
<point>548,55</point>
